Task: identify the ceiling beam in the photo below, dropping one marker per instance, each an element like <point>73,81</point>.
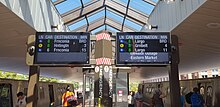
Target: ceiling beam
<point>100,21</point>
<point>93,25</point>
<point>80,13</point>
<point>58,2</point>
<point>150,2</point>
<point>105,18</point>
<point>81,18</point>
<point>117,25</point>
<point>133,14</point>
<point>130,19</point>
<point>122,27</point>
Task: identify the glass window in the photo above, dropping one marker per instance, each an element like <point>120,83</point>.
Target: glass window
<point>147,90</point>
<point>202,90</point>
<point>133,25</point>
<point>209,90</point>
<point>86,1</point>
<point>41,92</point>
<point>124,2</point>
<point>111,29</point>
<point>96,16</point>
<point>141,6</point>
<point>98,29</point>
<point>77,24</point>
<point>114,16</point>
<point>68,5</point>
<point>5,95</point>
<point>155,1</point>
<point>209,96</point>
<point>25,91</point>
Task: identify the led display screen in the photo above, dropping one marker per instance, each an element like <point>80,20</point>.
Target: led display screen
<point>62,48</point>
<point>142,48</point>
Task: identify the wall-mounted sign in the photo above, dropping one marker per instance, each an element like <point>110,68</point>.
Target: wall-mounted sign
<point>142,48</point>
<point>62,48</point>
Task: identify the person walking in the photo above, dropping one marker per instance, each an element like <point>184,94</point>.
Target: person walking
<point>139,98</point>
<point>21,100</point>
<point>196,98</point>
<point>158,97</point>
<point>131,99</point>
<point>67,97</point>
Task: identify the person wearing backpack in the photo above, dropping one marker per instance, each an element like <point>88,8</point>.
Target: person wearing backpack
<point>196,98</point>
<point>67,98</point>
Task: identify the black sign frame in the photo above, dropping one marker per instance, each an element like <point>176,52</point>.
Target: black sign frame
<point>141,64</point>
<point>62,64</point>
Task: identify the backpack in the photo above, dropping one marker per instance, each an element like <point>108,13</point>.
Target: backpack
<point>188,97</point>
<point>196,100</point>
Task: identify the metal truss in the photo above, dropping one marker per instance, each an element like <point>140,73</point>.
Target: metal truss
<point>94,6</point>
<point>150,2</point>
<point>104,21</point>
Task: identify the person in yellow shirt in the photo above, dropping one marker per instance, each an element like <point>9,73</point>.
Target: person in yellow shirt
<point>66,96</point>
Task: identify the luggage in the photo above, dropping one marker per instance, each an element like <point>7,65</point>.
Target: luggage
<point>188,97</point>
<point>196,100</point>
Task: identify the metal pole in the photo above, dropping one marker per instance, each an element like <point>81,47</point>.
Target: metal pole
<point>84,88</point>
<point>32,95</point>
<point>174,74</point>
<point>90,97</point>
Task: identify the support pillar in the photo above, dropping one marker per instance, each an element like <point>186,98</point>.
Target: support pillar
<point>174,74</point>
<point>84,88</point>
<point>103,70</point>
<point>32,95</point>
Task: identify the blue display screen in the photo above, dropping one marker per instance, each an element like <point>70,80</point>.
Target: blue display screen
<point>142,48</point>
<point>62,48</point>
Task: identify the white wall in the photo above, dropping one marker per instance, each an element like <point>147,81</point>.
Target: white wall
<point>40,14</point>
<point>168,16</point>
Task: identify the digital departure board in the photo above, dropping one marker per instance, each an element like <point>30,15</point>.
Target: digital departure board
<point>62,48</point>
<point>142,48</point>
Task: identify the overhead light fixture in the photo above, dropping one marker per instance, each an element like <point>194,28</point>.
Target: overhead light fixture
<point>148,26</point>
<point>153,27</point>
<point>58,27</point>
<point>213,25</point>
<point>168,1</point>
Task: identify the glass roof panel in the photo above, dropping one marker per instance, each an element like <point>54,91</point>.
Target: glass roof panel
<point>86,1</point>
<point>124,2</point>
<point>96,16</point>
<point>138,5</point>
<point>114,16</point>
<point>142,6</point>
<point>155,1</point>
<point>98,29</point>
<point>68,5</point>
<point>112,29</point>
<point>132,24</point>
<point>77,24</point>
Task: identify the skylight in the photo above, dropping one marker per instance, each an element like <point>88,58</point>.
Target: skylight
<point>108,10</point>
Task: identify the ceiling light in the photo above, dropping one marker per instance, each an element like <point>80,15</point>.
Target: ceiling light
<point>213,25</point>
<point>168,1</point>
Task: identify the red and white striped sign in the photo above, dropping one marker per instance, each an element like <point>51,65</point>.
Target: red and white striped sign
<point>101,36</point>
<point>103,61</point>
